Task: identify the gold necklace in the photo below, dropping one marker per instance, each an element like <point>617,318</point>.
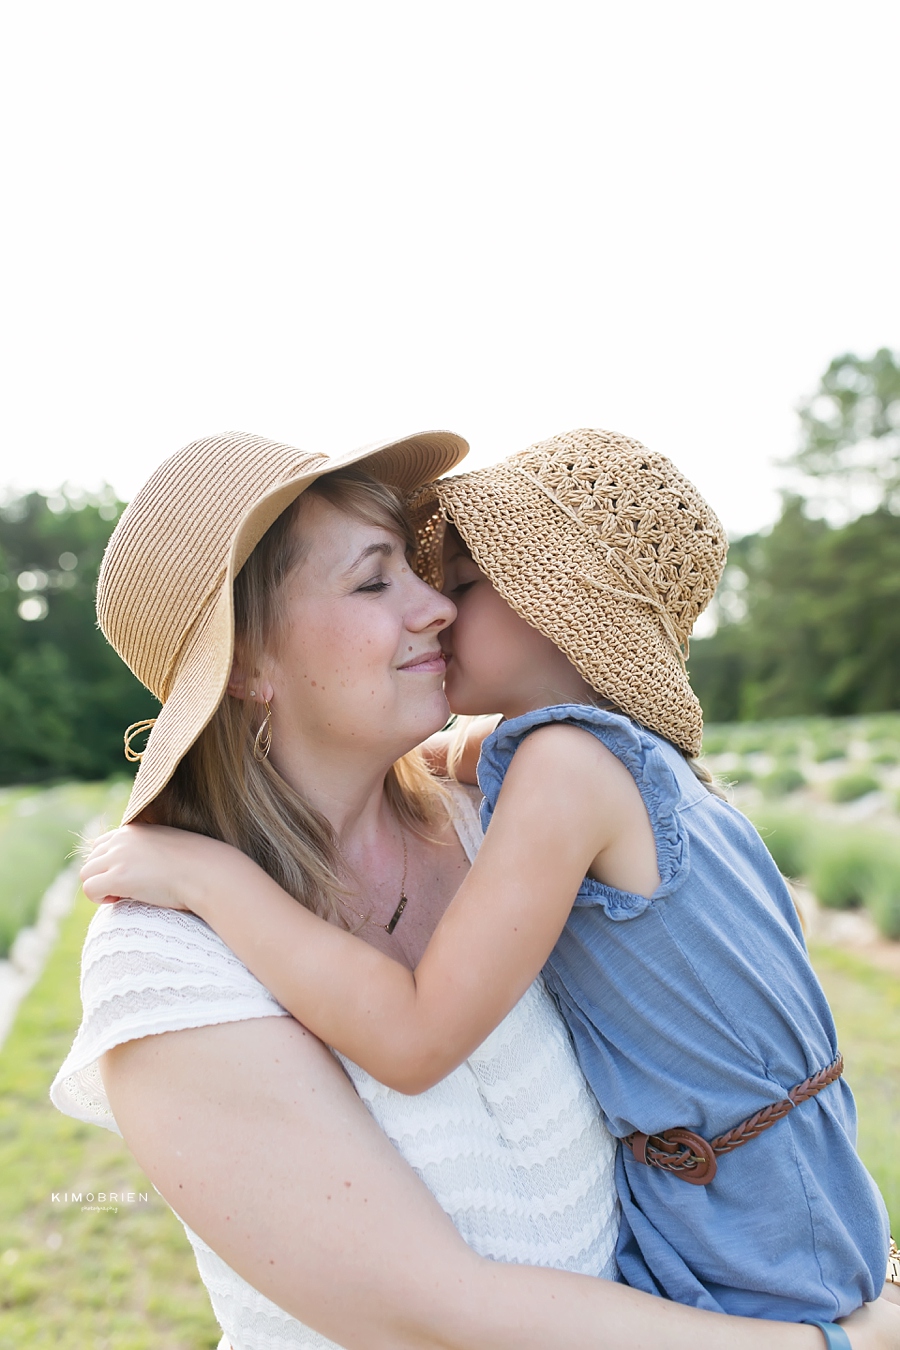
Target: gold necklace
<point>398,912</point>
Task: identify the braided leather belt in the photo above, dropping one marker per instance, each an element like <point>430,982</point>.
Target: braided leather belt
<point>692,1158</point>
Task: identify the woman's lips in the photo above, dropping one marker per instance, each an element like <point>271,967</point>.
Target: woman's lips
<point>432,663</point>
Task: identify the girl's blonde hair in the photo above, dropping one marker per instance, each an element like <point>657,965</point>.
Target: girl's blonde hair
<point>222,790</point>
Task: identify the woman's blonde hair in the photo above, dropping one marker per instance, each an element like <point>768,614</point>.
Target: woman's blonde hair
<point>222,790</point>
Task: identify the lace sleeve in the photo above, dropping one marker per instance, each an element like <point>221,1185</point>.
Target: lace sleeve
<point>145,971</point>
<point>465,803</point>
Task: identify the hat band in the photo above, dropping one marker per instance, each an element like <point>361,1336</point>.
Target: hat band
<point>646,593</point>
<point>137,729</point>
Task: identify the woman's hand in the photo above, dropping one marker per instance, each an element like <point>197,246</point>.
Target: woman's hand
<point>874,1326</point>
<point>154,864</point>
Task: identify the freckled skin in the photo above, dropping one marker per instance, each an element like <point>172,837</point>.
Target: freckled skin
<point>361,616</point>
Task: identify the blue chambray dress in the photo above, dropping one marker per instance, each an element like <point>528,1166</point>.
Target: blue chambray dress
<point>695,1008</point>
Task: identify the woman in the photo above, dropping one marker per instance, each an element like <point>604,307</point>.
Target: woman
<point>297,665</point>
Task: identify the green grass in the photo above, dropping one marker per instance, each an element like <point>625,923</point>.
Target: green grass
<point>787,836</point>
<point>884,902</point>
<point>81,1281</point>
<point>848,867</point>
<point>781,781</point>
<point>823,766</point>
<point>824,753</point>
<point>866,1006</point>
<point>853,786</point>
<point>817,740</point>
<point>38,829</point>
<point>845,866</point>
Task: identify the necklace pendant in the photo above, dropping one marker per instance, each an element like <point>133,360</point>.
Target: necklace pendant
<point>396,916</point>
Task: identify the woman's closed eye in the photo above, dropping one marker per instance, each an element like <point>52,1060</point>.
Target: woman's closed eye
<point>461,587</point>
<point>374,587</point>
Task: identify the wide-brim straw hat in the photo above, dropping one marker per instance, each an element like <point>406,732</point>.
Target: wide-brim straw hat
<point>606,549</point>
<point>165,593</point>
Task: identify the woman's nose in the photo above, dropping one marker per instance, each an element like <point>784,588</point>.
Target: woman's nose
<point>431,610</point>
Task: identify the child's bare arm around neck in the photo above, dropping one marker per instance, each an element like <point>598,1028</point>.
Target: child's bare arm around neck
<point>567,806</point>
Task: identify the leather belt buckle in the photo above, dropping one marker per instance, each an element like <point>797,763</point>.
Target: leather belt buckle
<point>688,1155</point>
<point>699,1160</point>
<point>692,1158</point>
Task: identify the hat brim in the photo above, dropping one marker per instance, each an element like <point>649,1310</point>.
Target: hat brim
<point>572,598</point>
<point>205,664</point>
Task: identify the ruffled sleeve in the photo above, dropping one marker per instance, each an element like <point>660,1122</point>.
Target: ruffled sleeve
<point>144,971</point>
<point>651,763</point>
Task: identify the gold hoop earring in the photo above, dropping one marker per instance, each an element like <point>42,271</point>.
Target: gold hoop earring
<point>262,743</point>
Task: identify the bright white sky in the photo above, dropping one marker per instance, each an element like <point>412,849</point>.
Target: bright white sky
<point>331,221</point>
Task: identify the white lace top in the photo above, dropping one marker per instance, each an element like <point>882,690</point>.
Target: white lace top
<point>510,1144</point>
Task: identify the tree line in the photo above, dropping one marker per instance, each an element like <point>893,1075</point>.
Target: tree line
<point>65,697</point>
<point>807,616</point>
<point>808,612</point>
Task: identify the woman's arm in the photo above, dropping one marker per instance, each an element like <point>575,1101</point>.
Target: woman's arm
<point>408,1029</point>
<point>254,1135</point>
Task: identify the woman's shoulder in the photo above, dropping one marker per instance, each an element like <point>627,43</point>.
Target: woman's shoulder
<point>145,971</point>
<point>159,933</point>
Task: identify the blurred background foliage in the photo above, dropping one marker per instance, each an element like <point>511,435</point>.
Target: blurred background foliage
<point>807,618</point>
<point>65,697</point>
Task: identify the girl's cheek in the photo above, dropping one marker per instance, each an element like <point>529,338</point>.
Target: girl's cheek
<point>461,630</point>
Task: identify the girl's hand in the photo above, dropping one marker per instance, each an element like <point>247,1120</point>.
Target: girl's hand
<point>151,863</point>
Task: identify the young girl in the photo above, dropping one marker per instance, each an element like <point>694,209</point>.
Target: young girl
<point>661,924</point>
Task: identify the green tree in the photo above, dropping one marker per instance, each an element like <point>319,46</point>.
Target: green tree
<point>821,631</point>
<point>809,611</point>
<point>850,431</point>
<point>65,696</point>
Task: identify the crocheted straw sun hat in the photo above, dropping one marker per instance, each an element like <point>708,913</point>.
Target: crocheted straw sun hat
<point>606,549</point>
<point>165,593</point>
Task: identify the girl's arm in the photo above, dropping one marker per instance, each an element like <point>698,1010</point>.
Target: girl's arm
<point>256,1138</point>
<point>557,810</point>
